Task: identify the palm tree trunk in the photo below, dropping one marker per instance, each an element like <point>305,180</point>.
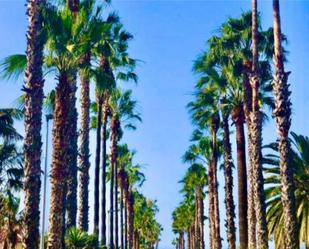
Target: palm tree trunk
<point>211,207</point>
<point>126,225</point>
<point>116,207</point>
<point>131,219</point>
<point>255,126</point>
<point>196,219</point>
<point>97,164</point>
<point>282,114</point>
<point>214,130</point>
<point>250,199</point>
<point>238,118</point>
<point>114,154</point>
<point>201,217</point>
<point>84,163</point>
<point>33,123</point>
<point>121,218</point>
<point>228,175</point>
<point>71,194</point>
<point>59,171</point>
<point>104,164</point>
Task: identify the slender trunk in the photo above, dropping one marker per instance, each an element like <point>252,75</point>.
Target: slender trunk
<point>97,164</point>
<point>121,218</point>
<point>59,168</point>
<point>71,194</point>
<point>114,154</point>
<point>228,175</point>
<point>126,216</point>
<point>71,186</point>
<point>282,114</point>
<point>255,127</point>
<point>211,206</point>
<point>181,240</point>
<point>238,118</point>
<point>200,217</point>
<point>131,219</point>
<point>196,220</point>
<point>104,164</point>
<point>214,130</point>
<point>251,233</point>
<point>33,123</point>
<point>116,207</point>
<point>84,163</point>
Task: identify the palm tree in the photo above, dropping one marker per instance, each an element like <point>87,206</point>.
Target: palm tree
<point>77,239</point>
<point>282,114</point>
<point>194,182</point>
<point>205,113</point>
<point>203,152</point>
<point>113,59</point>
<point>93,31</point>
<point>33,122</point>
<point>147,229</point>
<point>65,57</point>
<point>298,157</point>
<point>256,182</point>
<point>123,114</point>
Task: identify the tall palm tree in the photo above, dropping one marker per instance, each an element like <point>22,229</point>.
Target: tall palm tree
<point>64,57</point>
<point>123,114</point>
<point>282,114</point>
<point>256,181</point>
<point>97,29</point>
<point>275,212</point>
<point>33,121</point>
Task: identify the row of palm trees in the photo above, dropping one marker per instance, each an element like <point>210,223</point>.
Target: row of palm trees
<point>74,42</point>
<point>236,83</point>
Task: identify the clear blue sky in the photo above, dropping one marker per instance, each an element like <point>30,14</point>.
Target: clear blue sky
<point>168,36</point>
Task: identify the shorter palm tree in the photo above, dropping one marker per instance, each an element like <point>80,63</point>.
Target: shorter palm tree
<point>77,239</point>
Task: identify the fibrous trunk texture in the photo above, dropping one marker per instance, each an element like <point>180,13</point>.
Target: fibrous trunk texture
<point>211,207</point>
<point>116,204</point>
<point>71,195</point>
<point>214,161</point>
<point>247,67</point>
<point>59,171</point>
<point>238,118</point>
<point>228,176</point>
<point>97,164</point>
<point>131,219</point>
<point>114,126</point>
<point>33,122</point>
<point>255,129</point>
<point>282,114</point>
<point>104,161</point>
<point>84,153</point>
<point>121,218</point>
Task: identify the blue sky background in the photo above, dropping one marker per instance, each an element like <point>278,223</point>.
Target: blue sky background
<point>168,36</point>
